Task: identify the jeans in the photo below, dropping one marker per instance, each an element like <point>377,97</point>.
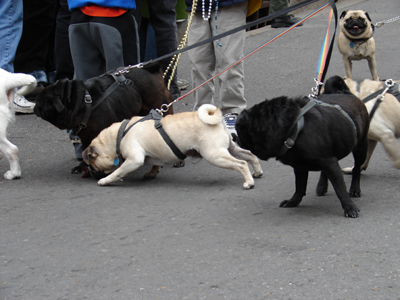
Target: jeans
<point>10,32</point>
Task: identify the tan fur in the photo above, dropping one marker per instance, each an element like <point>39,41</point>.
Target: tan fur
<point>360,51</point>
<point>385,124</point>
<point>143,144</point>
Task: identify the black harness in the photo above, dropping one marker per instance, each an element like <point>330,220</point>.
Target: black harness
<point>153,115</point>
<point>394,90</point>
<point>120,79</point>
<point>299,124</point>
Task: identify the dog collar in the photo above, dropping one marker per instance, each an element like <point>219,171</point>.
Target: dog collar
<point>299,121</point>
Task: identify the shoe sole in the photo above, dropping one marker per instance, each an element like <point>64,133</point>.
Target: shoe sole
<point>23,110</point>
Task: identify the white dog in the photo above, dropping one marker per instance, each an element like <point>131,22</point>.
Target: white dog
<point>8,82</point>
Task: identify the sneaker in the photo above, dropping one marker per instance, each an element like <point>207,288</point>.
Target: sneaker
<point>182,84</point>
<point>21,105</point>
<point>285,21</point>
<point>230,120</point>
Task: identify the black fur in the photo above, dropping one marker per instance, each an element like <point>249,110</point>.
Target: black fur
<point>327,137</point>
<point>62,103</point>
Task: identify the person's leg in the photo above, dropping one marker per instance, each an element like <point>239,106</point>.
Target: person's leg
<point>163,21</point>
<point>286,20</point>
<point>203,61</point>
<point>63,59</point>
<point>231,82</point>
<point>10,32</point>
<point>33,48</point>
<point>277,5</point>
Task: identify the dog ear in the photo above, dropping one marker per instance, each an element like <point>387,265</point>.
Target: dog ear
<point>58,104</point>
<point>367,15</point>
<point>343,14</point>
<point>90,154</point>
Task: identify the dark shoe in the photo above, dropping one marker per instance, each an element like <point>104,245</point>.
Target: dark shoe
<point>285,21</point>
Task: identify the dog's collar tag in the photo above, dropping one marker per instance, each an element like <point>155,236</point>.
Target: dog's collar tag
<point>116,161</point>
<point>352,44</point>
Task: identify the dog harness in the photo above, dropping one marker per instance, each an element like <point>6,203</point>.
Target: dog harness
<point>391,87</point>
<point>153,115</point>
<point>299,121</point>
<point>119,80</point>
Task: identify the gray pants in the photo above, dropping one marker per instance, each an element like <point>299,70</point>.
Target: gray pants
<point>210,59</point>
<point>277,5</point>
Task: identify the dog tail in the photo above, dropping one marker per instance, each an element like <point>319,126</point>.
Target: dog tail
<point>210,114</point>
<point>26,82</point>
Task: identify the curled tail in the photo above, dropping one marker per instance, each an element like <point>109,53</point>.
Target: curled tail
<point>210,114</point>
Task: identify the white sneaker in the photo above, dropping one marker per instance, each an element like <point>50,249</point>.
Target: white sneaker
<point>230,120</point>
<point>21,105</point>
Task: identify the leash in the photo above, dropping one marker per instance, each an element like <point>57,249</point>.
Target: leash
<point>229,32</point>
<point>381,23</point>
<point>153,115</point>
<point>390,87</point>
<point>164,107</point>
<point>325,53</point>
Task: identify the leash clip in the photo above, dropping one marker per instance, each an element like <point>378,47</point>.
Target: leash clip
<point>315,89</point>
<point>389,83</point>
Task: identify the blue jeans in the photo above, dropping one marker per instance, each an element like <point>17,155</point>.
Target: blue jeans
<point>10,32</point>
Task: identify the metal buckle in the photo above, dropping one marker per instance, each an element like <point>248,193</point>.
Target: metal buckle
<point>289,143</point>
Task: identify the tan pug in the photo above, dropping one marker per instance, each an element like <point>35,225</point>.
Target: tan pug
<point>355,41</point>
<point>199,134</point>
<point>385,123</point>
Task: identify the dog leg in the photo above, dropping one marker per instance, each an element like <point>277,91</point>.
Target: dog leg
<point>322,186</point>
<point>372,67</point>
<point>391,146</point>
<point>371,147</point>
<point>224,159</point>
<point>348,65</point>
<point>335,176</point>
<point>128,166</point>
<point>152,173</point>
<point>359,154</point>
<point>246,155</point>
<point>301,187</point>
<point>10,151</point>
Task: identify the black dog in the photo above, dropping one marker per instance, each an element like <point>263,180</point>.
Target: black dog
<point>329,134</point>
<point>139,90</point>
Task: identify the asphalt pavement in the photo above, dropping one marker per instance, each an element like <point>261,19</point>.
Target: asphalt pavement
<point>193,232</point>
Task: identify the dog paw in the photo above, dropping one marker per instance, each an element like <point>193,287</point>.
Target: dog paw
<point>179,164</point>
<point>355,193</point>
<point>321,190</point>
<point>248,186</point>
<point>351,212</point>
<point>102,182</point>
<point>348,170</point>
<point>257,174</point>
<point>288,203</point>
<point>150,175</point>
<point>76,170</point>
<point>9,175</point>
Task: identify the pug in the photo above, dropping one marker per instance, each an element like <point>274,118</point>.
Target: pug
<point>355,41</point>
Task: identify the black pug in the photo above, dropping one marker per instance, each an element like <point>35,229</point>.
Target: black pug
<point>329,134</point>
<point>63,103</point>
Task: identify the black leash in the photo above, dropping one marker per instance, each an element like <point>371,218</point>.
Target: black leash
<point>391,87</point>
<point>229,32</point>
